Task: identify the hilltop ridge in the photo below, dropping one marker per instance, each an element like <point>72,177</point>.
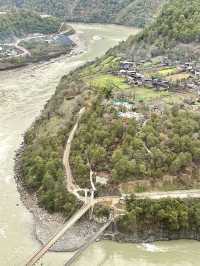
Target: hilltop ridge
<point>127,12</point>
<point>16,24</point>
<point>175,33</point>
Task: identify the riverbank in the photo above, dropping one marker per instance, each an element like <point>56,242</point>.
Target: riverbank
<point>24,92</point>
<point>46,224</point>
<point>151,236</point>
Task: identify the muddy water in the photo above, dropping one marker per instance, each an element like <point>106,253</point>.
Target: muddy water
<point>23,93</point>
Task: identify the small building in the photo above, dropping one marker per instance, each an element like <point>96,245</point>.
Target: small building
<point>192,86</point>
<point>127,65</point>
<point>131,73</point>
<point>130,115</point>
<point>123,104</point>
<point>102,179</point>
<point>122,73</point>
<point>158,83</point>
<point>197,73</point>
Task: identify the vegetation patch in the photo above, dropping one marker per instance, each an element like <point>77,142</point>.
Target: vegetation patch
<point>170,215</point>
<point>174,33</point>
<point>20,23</point>
<point>127,12</point>
<point>41,161</point>
<point>178,77</point>
<point>167,71</point>
<point>102,81</point>
<point>129,151</point>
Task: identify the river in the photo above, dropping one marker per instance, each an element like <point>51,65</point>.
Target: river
<point>23,93</point>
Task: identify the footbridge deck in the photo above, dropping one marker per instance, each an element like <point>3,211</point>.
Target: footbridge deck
<point>93,239</point>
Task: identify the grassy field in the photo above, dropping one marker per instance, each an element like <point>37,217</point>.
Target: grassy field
<point>149,95</point>
<point>161,72</point>
<point>101,66</point>
<point>177,77</point>
<point>167,71</point>
<point>101,81</point>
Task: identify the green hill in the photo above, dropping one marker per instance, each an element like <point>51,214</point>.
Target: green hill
<point>176,32</point>
<point>20,23</point>
<point>158,148</point>
<point>127,12</point>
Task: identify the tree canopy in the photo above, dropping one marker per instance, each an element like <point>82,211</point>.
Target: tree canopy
<point>19,23</point>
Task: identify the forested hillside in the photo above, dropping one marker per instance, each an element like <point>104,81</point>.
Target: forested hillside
<point>132,136</point>
<point>176,32</point>
<point>127,12</point>
<point>19,23</point>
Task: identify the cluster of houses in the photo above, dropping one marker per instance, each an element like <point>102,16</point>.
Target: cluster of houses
<point>129,71</point>
<point>8,51</point>
<point>191,67</point>
<point>194,81</point>
<point>127,109</point>
<point>55,39</point>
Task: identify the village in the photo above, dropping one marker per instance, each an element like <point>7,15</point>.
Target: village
<point>23,47</point>
<point>153,88</point>
<point>9,51</point>
<point>157,81</point>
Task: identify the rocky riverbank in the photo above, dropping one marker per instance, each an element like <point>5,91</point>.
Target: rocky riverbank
<point>151,236</point>
<point>46,225</point>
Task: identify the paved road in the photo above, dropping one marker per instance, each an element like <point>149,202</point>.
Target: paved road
<point>182,194</point>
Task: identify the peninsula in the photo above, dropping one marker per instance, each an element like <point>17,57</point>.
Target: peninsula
<point>138,139</point>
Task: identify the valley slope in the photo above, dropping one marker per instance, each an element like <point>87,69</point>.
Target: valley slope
<point>127,12</point>
<point>175,34</point>
<point>140,131</point>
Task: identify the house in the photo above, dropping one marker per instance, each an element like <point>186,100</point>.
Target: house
<point>139,76</point>
<point>131,73</point>
<point>126,65</point>
<point>123,104</point>
<point>197,73</point>
<point>131,80</point>
<point>129,115</point>
<point>122,73</point>
<point>192,86</point>
<point>148,82</point>
<point>157,83</point>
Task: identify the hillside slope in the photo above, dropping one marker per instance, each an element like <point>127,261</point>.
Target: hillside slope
<point>133,137</point>
<point>176,33</point>
<point>127,12</point>
<point>20,23</point>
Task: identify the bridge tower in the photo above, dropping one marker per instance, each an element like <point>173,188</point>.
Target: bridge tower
<point>92,208</point>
